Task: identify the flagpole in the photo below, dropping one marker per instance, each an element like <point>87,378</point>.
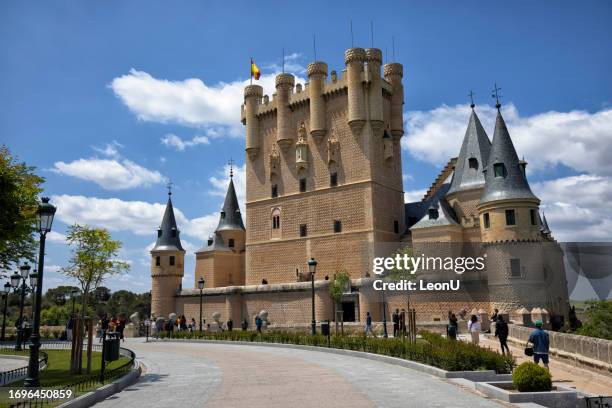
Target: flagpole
<point>251,70</point>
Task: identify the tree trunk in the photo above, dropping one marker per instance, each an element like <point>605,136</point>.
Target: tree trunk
<point>89,343</point>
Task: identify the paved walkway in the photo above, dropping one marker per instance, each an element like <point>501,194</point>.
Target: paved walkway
<point>219,375</point>
<point>11,363</point>
<point>584,379</point>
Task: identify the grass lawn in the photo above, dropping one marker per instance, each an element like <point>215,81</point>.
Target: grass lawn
<point>57,373</point>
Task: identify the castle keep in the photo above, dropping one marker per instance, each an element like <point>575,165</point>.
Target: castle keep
<point>324,181</point>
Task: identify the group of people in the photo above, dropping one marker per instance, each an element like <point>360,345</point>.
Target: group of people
<point>112,325</point>
<point>181,323</point>
<point>539,338</point>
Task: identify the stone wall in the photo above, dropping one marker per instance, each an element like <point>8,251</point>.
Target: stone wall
<point>583,346</point>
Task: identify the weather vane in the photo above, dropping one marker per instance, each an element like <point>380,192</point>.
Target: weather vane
<point>471,95</point>
<point>169,185</point>
<point>231,164</point>
<point>496,95</point>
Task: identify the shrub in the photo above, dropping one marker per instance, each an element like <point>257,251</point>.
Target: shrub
<point>530,377</point>
<point>432,349</point>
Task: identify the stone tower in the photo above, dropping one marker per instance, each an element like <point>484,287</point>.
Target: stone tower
<point>221,261</point>
<point>167,264</point>
<point>510,230</point>
<point>323,166</point>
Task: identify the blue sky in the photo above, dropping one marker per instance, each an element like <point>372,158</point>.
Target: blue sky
<point>109,99</point>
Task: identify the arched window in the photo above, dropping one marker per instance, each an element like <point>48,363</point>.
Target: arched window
<point>276,219</point>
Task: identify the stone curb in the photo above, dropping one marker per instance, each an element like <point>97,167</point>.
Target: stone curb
<point>488,375</point>
<point>100,394</point>
<point>562,397</point>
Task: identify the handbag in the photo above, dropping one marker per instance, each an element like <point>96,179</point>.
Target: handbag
<point>529,351</point>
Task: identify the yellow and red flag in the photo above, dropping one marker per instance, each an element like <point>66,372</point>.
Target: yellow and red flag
<point>255,73</point>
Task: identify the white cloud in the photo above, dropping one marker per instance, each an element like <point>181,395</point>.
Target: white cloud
<point>189,102</point>
<point>577,139</point>
<point>179,144</point>
<point>414,195</point>
<point>221,181</point>
<point>110,149</point>
<point>577,208</point>
<point>51,268</point>
<point>109,174</point>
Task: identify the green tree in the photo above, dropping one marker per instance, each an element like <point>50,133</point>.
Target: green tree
<point>93,258</point>
<point>338,286</point>
<point>599,320</point>
<point>19,189</point>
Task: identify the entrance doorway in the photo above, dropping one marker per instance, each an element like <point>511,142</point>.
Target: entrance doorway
<point>348,311</point>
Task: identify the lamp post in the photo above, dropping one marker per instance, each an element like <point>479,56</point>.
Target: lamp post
<point>18,282</point>
<point>73,294</point>
<point>201,287</point>
<point>46,212</point>
<point>312,268</point>
<point>384,305</point>
<point>5,292</point>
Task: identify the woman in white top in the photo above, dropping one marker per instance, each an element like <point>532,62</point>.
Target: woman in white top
<point>474,329</point>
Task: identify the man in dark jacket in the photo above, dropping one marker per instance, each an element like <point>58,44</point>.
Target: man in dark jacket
<point>396,323</point>
<point>501,332</point>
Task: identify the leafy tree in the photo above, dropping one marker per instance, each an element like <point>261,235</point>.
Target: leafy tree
<point>599,320</point>
<point>338,286</point>
<point>19,189</point>
<point>55,315</point>
<point>94,258</point>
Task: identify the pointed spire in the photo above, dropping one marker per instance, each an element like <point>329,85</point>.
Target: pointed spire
<point>544,228</point>
<point>230,218</point>
<point>473,156</point>
<point>168,235</point>
<point>504,177</point>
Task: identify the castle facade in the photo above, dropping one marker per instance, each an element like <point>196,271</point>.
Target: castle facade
<point>324,181</point>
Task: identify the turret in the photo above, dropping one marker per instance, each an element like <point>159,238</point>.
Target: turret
<point>393,75</point>
<point>252,100</point>
<point>354,59</point>
<point>317,73</point>
<point>374,60</point>
<point>284,131</point>
<point>508,208</point>
<point>167,264</point>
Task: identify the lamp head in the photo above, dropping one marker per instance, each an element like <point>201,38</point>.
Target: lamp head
<point>25,270</point>
<point>201,283</point>
<point>312,265</point>
<point>46,212</point>
<point>15,279</point>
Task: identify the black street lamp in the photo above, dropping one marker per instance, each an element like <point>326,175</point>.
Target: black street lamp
<point>46,212</point>
<point>73,294</point>
<point>5,292</point>
<point>384,305</point>
<point>18,282</point>
<point>201,287</point>
<point>312,268</point>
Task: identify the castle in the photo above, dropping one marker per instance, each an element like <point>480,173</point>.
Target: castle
<point>324,181</point>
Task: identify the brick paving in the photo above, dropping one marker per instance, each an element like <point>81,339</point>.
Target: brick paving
<point>219,375</point>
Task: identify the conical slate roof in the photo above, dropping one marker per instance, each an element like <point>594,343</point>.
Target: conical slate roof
<point>544,225</point>
<point>476,145</point>
<point>230,218</point>
<point>445,213</point>
<point>168,235</point>
<point>513,184</point>
<point>215,243</point>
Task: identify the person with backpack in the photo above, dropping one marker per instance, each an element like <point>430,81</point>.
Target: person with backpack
<point>501,332</point>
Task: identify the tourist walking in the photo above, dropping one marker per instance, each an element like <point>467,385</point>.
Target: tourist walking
<point>159,326</point>
<point>396,323</point>
<point>453,326</point>
<point>230,325</point>
<point>495,315</point>
<point>501,332</point>
<point>258,323</point>
<point>403,323</point>
<point>541,344</point>
<point>368,325</point>
<point>121,327</point>
<point>474,329</point>
<point>245,324</point>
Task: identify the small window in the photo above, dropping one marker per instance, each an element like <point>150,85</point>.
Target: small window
<point>274,192</point>
<point>173,232</point>
<point>158,261</point>
<point>473,163</point>
<point>499,170</point>
<point>515,268</point>
<point>333,179</point>
<point>276,222</point>
<point>230,243</point>
<point>303,230</point>
<point>510,219</point>
<point>302,185</point>
<point>433,213</point>
<point>532,215</point>
<point>222,215</point>
<point>171,261</point>
<point>337,226</point>
<point>486,220</point>
<point>159,233</point>
<point>396,226</point>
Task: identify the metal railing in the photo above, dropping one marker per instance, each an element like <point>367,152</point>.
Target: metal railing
<point>598,402</point>
<point>7,377</point>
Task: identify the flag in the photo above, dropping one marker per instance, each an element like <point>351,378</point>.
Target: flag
<point>255,73</point>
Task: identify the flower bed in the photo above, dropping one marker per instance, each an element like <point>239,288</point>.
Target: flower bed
<point>431,349</point>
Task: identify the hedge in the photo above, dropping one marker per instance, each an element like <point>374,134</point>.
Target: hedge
<point>431,349</point>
